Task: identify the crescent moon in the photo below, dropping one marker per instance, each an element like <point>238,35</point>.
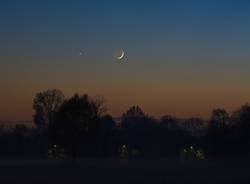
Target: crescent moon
<point>122,55</point>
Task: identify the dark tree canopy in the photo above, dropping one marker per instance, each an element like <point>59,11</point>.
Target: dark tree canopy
<point>218,132</point>
<point>219,118</point>
<point>242,126</point>
<point>77,121</point>
<point>134,117</point>
<point>107,123</point>
<point>100,103</point>
<point>46,103</point>
<point>134,112</point>
<point>242,116</point>
<point>194,126</point>
<point>79,127</point>
<point>169,122</point>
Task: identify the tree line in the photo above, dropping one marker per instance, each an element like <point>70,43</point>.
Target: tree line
<point>79,126</point>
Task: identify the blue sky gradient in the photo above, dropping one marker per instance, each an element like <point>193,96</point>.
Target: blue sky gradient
<point>182,57</point>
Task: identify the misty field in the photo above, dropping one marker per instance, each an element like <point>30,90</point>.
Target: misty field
<point>121,172</point>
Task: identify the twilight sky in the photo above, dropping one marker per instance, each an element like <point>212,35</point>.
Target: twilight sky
<point>183,57</point>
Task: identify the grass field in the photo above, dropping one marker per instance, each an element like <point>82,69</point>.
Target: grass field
<point>121,172</point>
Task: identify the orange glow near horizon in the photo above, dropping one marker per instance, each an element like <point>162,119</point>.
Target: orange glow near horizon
<point>180,102</point>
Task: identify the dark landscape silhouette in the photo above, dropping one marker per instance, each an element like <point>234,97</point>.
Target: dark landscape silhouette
<point>77,133</point>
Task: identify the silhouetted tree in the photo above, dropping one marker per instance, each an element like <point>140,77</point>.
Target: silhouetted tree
<point>134,117</point>
<point>45,104</point>
<point>241,129</point>
<point>169,122</point>
<point>148,136</point>
<point>219,118</point>
<point>108,139</point>
<point>194,126</point>
<point>39,118</point>
<point>218,132</point>
<point>101,105</point>
<point>107,123</point>
<point>174,135</point>
<point>77,125</point>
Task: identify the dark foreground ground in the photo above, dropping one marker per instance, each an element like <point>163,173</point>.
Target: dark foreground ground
<point>121,172</point>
